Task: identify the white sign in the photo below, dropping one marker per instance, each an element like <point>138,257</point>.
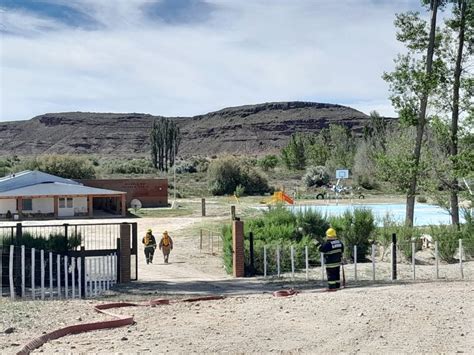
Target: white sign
<point>342,174</point>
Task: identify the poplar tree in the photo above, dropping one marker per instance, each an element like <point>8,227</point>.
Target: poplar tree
<point>165,138</point>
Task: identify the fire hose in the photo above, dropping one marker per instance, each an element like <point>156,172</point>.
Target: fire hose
<point>119,321</point>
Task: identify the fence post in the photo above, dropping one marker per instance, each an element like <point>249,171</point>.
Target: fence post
<point>42,273</point>
<point>135,246</point>
<point>373,262</point>
<point>413,250</point>
<point>322,267</point>
<point>10,272</point>
<point>23,276</point>
<point>65,236</point>
<point>79,276</point>
<point>278,260</point>
<point>232,213</point>
<point>292,254</point>
<point>200,240</point>
<point>33,252</point>
<point>19,233</point>
<point>238,260</point>
<point>66,278</point>
<point>203,207</point>
<point>355,262</point>
<point>252,256</point>
<point>306,262</point>
<point>73,277</point>
<point>460,258</point>
<point>211,237</point>
<point>82,276</point>
<point>50,274</point>
<point>58,274</point>
<point>264,261</point>
<point>394,256</point>
<point>437,259</point>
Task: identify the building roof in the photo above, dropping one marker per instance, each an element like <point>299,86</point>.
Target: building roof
<point>29,178</point>
<point>57,189</point>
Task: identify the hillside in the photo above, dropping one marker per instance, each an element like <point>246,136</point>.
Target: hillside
<point>253,129</point>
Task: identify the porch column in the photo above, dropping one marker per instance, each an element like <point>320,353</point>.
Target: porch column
<point>124,205</point>
<point>117,204</point>
<point>56,206</point>
<point>90,205</point>
<point>19,205</point>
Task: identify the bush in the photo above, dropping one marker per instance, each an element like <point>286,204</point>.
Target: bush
<point>355,228</point>
<point>448,241</point>
<point>226,174</point>
<point>55,242</point>
<point>134,166</point>
<point>268,162</point>
<point>467,232</point>
<point>421,199</point>
<point>239,191</point>
<point>66,166</point>
<point>405,237</point>
<point>316,176</point>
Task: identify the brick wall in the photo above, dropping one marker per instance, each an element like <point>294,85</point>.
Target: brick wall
<point>238,247</point>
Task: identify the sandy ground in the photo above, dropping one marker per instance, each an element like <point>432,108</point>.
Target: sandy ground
<point>402,317</point>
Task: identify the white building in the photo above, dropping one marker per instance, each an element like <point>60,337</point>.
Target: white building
<point>37,194</point>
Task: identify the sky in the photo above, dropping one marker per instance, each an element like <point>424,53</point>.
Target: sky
<point>190,57</point>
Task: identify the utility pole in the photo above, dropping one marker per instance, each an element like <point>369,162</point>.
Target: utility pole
<point>174,175</point>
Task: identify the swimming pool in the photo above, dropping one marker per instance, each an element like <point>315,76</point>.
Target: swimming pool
<point>425,214</point>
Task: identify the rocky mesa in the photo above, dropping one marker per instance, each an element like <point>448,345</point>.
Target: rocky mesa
<point>250,129</point>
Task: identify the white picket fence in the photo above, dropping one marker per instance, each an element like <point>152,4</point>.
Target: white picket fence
<point>65,280</point>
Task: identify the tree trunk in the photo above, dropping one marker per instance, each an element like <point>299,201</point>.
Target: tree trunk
<point>455,114</point>
<point>420,128</point>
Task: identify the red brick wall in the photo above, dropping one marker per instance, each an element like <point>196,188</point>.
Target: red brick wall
<point>238,246</point>
<point>151,192</point>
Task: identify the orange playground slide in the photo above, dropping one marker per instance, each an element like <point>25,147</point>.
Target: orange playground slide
<point>280,196</point>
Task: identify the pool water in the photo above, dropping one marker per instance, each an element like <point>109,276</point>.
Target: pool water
<point>425,214</point>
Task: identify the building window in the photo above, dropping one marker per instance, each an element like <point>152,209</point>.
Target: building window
<point>27,204</point>
<point>65,202</point>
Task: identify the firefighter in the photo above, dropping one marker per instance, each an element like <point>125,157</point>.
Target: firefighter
<point>166,245</point>
<point>332,249</point>
<point>150,246</point>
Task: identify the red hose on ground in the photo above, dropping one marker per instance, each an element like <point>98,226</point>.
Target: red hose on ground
<point>119,321</point>
<point>285,293</point>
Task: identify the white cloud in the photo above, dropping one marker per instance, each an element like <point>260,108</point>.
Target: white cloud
<point>248,52</point>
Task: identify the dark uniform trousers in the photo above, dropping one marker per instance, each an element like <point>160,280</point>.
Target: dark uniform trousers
<point>334,279</point>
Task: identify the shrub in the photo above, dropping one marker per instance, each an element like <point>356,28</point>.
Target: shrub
<point>55,242</point>
<point>226,174</point>
<point>448,241</point>
<point>316,176</point>
<point>421,199</point>
<point>467,232</point>
<point>134,166</point>
<point>66,166</point>
<point>268,162</point>
<point>405,237</point>
<point>239,191</point>
<point>355,228</point>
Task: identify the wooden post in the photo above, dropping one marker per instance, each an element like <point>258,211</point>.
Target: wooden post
<point>252,256</point>
<point>200,240</point>
<point>437,259</point>
<point>460,258</point>
<point>238,248</point>
<point>232,213</point>
<point>203,207</point>
<point>413,251</point>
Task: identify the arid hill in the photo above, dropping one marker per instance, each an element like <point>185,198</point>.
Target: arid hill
<point>250,129</point>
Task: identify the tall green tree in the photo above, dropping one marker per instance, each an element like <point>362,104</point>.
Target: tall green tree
<point>165,138</point>
<point>455,92</point>
<point>413,81</point>
<point>293,155</point>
